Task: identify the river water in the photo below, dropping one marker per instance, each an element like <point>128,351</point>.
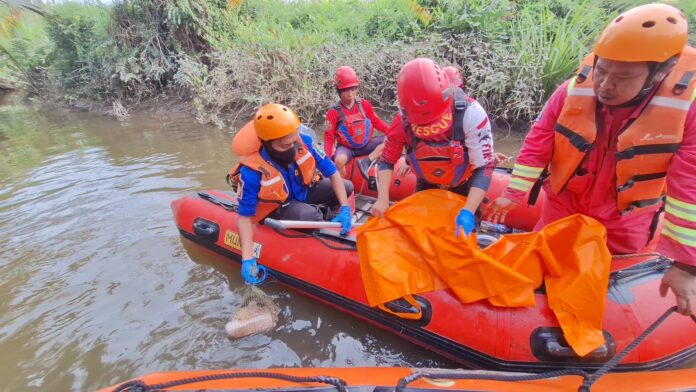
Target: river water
<point>96,285</point>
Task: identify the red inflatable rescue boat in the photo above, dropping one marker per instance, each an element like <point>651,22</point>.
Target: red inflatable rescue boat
<point>475,334</point>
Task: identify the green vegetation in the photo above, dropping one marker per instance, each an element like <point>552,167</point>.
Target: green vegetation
<point>24,47</point>
<point>230,56</point>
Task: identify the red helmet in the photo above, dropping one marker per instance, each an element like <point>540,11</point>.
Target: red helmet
<point>454,76</point>
<point>345,78</point>
<point>424,91</point>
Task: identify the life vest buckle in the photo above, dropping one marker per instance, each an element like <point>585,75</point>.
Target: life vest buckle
<point>456,152</point>
<point>460,104</point>
<point>627,185</point>
<point>582,75</point>
<point>683,83</point>
<point>580,143</point>
<point>679,88</point>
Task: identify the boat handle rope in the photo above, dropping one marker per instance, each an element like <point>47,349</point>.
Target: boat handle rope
<point>607,367</point>
<point>588,380</point>
<point>140,386</point>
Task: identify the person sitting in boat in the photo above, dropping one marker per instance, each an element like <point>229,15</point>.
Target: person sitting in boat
<point>618,142</point>
<point>350,123</point>
<point>448,139</point>
<point>281,180</point>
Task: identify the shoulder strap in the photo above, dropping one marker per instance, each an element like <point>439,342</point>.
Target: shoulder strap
<point>337,107</point>
<point>358,102</point>
<point>460,106</point>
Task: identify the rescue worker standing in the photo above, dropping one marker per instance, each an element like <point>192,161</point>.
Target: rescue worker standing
<point>350,123</point>
<point>281,182</point>
<point>448,139</point>
<point>619,144</point>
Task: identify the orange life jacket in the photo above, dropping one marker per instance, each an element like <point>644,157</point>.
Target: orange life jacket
<point>444,163</point>
<point>274,191</point>
<point>644,148</point>
<point>354,129</point>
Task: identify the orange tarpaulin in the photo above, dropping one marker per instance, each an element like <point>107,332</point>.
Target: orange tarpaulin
<point>413,250</point>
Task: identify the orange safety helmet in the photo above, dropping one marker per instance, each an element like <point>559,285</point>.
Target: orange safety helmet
<point>651,32</point>
<point>345,78</point>
<point>424,91</point>
<point>455,76</point>
<point>274,121</point>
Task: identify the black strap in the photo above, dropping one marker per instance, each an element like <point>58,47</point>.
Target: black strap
<point>337,107</point>
<point>536,188</point>
<point>229,205</point>
<point>629,153</point>
<point>575,139</point>
<point>642,204</point>
<point>655,222</point>
<point>683,83</point>
<point>583,74</point>
<point>460,106</point>
<point>640,177</point>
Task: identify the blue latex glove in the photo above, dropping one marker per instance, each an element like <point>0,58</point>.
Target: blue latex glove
<point>344,217</point>
<point>465,221</point>
<point>253,273</point>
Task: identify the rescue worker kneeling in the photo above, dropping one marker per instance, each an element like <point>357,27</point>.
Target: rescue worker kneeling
<point>447,136</point>
<point>281,181</point>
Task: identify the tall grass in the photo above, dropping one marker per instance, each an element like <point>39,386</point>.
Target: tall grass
<point>24,47</point>
<point>552,45</point>
<point>228,55</point>
<point>80,36</point>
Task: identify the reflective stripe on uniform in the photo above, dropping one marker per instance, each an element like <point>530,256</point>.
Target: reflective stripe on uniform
<point>582,91</point>
<point>671,103</point>
<point>271,181</point>
<point>303,158</point>
<point>520,184</point>
<point>571,85</point>
<point>681,209</point>
<point>680,234</point>
<point>526,171</point>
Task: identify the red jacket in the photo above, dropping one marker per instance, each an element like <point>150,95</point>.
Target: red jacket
<point>333,117</point>
<point>594,194</point>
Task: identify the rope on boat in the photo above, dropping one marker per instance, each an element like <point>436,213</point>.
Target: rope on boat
<point>139,386</point>
<point>588,380</point>
<point>607,367</point>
